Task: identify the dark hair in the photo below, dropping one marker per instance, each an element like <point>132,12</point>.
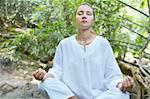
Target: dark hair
<point>87,5</point>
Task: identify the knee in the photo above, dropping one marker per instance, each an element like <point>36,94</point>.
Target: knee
<point>118,93</point>
<point>114,93</point>
<point>44,84</point>
<point>42,88</point>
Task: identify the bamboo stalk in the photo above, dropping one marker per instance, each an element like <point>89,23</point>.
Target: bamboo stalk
<point>126,19</point>
<point>134,8</point>
<point>135,32</point>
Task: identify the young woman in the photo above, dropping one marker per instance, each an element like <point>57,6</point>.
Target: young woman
<point>84,65</point>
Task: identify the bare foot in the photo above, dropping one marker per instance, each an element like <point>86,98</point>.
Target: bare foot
<point>74,97</point>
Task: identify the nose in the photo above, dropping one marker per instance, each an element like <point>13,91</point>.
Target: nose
<point>84,16</point>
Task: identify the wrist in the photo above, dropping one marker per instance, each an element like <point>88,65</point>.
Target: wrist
<point>45,76</point>
<point>48,75</point>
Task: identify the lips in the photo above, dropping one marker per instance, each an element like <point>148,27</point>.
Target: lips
<point>83,21</point>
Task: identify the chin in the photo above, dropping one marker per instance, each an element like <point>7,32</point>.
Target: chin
<point>85,27</point>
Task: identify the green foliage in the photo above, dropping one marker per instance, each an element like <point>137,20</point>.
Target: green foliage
<point>136,25</point>
<point>55,20</point>
<point>15,12</point>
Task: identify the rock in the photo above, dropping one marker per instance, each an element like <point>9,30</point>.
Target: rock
<point>19,89</point>
<point>6,87</point>
<point>6,66</point>
<point>19,83</point>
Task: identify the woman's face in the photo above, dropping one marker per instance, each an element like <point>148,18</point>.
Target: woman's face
<point>84,17</point>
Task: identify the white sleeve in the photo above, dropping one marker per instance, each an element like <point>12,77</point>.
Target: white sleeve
<point>56,70</point>
<point>113,74</point>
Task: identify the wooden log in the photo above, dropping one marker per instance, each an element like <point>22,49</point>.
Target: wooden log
<point>142,81</point>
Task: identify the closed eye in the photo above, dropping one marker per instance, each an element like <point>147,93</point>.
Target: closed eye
<point>80,13</point>
<point>88,13</point>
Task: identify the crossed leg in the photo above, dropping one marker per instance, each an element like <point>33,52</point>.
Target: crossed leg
<point>52,88</point>
<point>114,93</point>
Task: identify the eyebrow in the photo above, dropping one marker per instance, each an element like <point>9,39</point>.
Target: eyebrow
<point>80,11</point>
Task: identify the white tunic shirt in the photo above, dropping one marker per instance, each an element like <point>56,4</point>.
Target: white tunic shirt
<point>87,70</point>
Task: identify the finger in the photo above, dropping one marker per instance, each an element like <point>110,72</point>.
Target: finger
<point>41,77</point>
<point>124,85</point>
<point>127,84</point>
<point>130,81</point>
<point>38,74</point>
<point>41,74</point>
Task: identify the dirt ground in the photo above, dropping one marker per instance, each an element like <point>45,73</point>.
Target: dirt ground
<point>18,83</point>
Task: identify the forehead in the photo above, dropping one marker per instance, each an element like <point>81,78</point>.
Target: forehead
<point>84,8</point>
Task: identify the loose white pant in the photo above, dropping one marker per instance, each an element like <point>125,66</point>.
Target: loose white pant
<point>114,93</point>
<point>54,89</point>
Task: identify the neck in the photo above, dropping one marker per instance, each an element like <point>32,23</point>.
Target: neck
<point>85,34</point>
<point>85,37</point>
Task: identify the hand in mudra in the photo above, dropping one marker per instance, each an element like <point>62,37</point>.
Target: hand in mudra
<point>126,84</point>
<point>39,74</point>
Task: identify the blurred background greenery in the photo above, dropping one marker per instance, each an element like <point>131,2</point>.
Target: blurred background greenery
<point>32,29</point>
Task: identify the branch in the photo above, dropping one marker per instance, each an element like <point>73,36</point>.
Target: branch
<point>135,23</point>
<point>135,32</point>
<point>141,51</point>
<point>127,43</point>
<point>146,44</point>
<point>134,8</point>
<point>130,47</point>
<point>146,55</point>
